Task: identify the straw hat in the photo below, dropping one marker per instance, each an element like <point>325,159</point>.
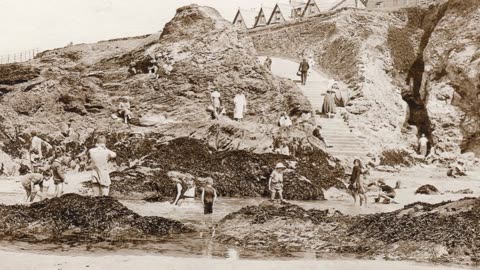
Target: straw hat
<point>280,166</point>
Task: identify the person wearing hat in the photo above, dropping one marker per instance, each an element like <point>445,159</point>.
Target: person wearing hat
<point>303,70</point>
<point>99,157</point>
<point>329,107</point>
<point>275,182</point>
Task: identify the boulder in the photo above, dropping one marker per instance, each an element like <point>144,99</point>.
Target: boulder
<point>427,190</point>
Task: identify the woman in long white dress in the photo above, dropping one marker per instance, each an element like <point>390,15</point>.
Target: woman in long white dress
<point>240,106</point>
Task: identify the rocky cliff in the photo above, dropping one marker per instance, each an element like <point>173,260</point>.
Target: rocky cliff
<point>409,72</point>
<point>84,84</point>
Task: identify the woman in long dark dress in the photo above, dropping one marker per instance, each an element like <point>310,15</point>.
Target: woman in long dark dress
<point>356,186</point>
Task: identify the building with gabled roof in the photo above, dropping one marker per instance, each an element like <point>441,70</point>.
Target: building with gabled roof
<point>245,19</point>
<point>297,7</point>
<point>262,17</point>
<point>311,9</point>
<point>281,13</point>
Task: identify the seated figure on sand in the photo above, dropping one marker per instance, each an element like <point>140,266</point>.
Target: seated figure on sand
<point>457,169</point>
<point>385,192</point>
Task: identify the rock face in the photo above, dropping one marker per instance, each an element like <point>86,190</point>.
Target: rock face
<point>410,71</point>
<point>85,83</point>
<point>73,217</point>
<point>172,129</point>
<point>444,233</point>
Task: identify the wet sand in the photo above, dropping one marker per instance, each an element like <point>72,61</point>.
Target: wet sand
<point>19,261</point>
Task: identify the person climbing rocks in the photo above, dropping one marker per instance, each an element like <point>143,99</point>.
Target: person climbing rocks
<point>303,71</point>
<point>268,63</point>
<point>275,182</point>
<point>423,146</point>
<point>240,102</point>
<point>31,181</point>
<point>329,106</point>
<point>124,110</point>
<point>385,192</point>
<point>209,196</point>
<point>284,121</point>
<point>58,172</point>
<point>99,157</point>
<point>356,186</point>
<point>217,103</point>
<point>457,169</point>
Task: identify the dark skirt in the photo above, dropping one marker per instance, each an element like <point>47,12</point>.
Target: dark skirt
<point>208,208</point>
<point>329,104</point>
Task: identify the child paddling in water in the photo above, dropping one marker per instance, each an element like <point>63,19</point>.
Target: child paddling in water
<point>209,195</point>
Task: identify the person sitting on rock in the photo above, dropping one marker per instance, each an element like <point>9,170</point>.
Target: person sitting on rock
<point>124,110</point>
<point>385,192</point>
<point>153,68</point>
<point>132,68</point>
<point>284,121</point>
<point>457,170</point>
<point>275,182</point>
<point>283,149</point>
<point>31,181</point>
<point>217,104</point>
<point>317,134</point>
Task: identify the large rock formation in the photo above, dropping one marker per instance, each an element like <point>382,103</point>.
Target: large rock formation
<point>410,71</point>
<point>83,84</point>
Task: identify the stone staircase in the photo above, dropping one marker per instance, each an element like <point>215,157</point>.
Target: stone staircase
<point>344,143</point>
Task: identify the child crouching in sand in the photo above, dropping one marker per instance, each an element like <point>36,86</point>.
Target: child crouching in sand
<point>275,183</point>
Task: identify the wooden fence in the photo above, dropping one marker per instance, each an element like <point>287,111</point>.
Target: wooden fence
<point>18,57</point>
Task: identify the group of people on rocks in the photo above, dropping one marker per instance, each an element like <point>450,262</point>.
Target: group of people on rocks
<point>53,169</point>
<point>217,107</point>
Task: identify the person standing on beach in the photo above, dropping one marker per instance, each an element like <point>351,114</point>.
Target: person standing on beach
<point>356,186</point>
<point>423,146</point>
<point>99,157</point>
<point>303,70</point>
<point>275,182</point>
<point>209,196</point>
<point>268,63</point>
<point>58,173</point>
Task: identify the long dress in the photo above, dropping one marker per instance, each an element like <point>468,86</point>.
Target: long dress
<point>329,104</point>
<point>240,106</point>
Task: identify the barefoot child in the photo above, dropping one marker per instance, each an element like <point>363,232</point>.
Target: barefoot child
<point>275,183</point>
<point>209,195</point>
<point>29,183</point>
<point>58,173</point>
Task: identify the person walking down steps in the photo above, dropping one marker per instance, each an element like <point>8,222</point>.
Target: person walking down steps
<point>303,71</point>
<point>329,108</point>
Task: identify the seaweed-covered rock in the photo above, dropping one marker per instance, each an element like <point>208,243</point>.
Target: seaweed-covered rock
<point>444,232</point>
<point>427,190</point>
<point>236,173</point>
<point>74,217</point>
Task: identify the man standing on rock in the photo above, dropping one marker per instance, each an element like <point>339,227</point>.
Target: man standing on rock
<point>99,157</point>
<point>422,146</point>
<point>303,70</point>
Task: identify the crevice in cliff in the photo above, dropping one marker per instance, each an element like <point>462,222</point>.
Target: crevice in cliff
<point>417,78</point>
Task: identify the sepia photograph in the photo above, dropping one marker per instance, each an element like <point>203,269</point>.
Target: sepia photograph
<point>240,134</point>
